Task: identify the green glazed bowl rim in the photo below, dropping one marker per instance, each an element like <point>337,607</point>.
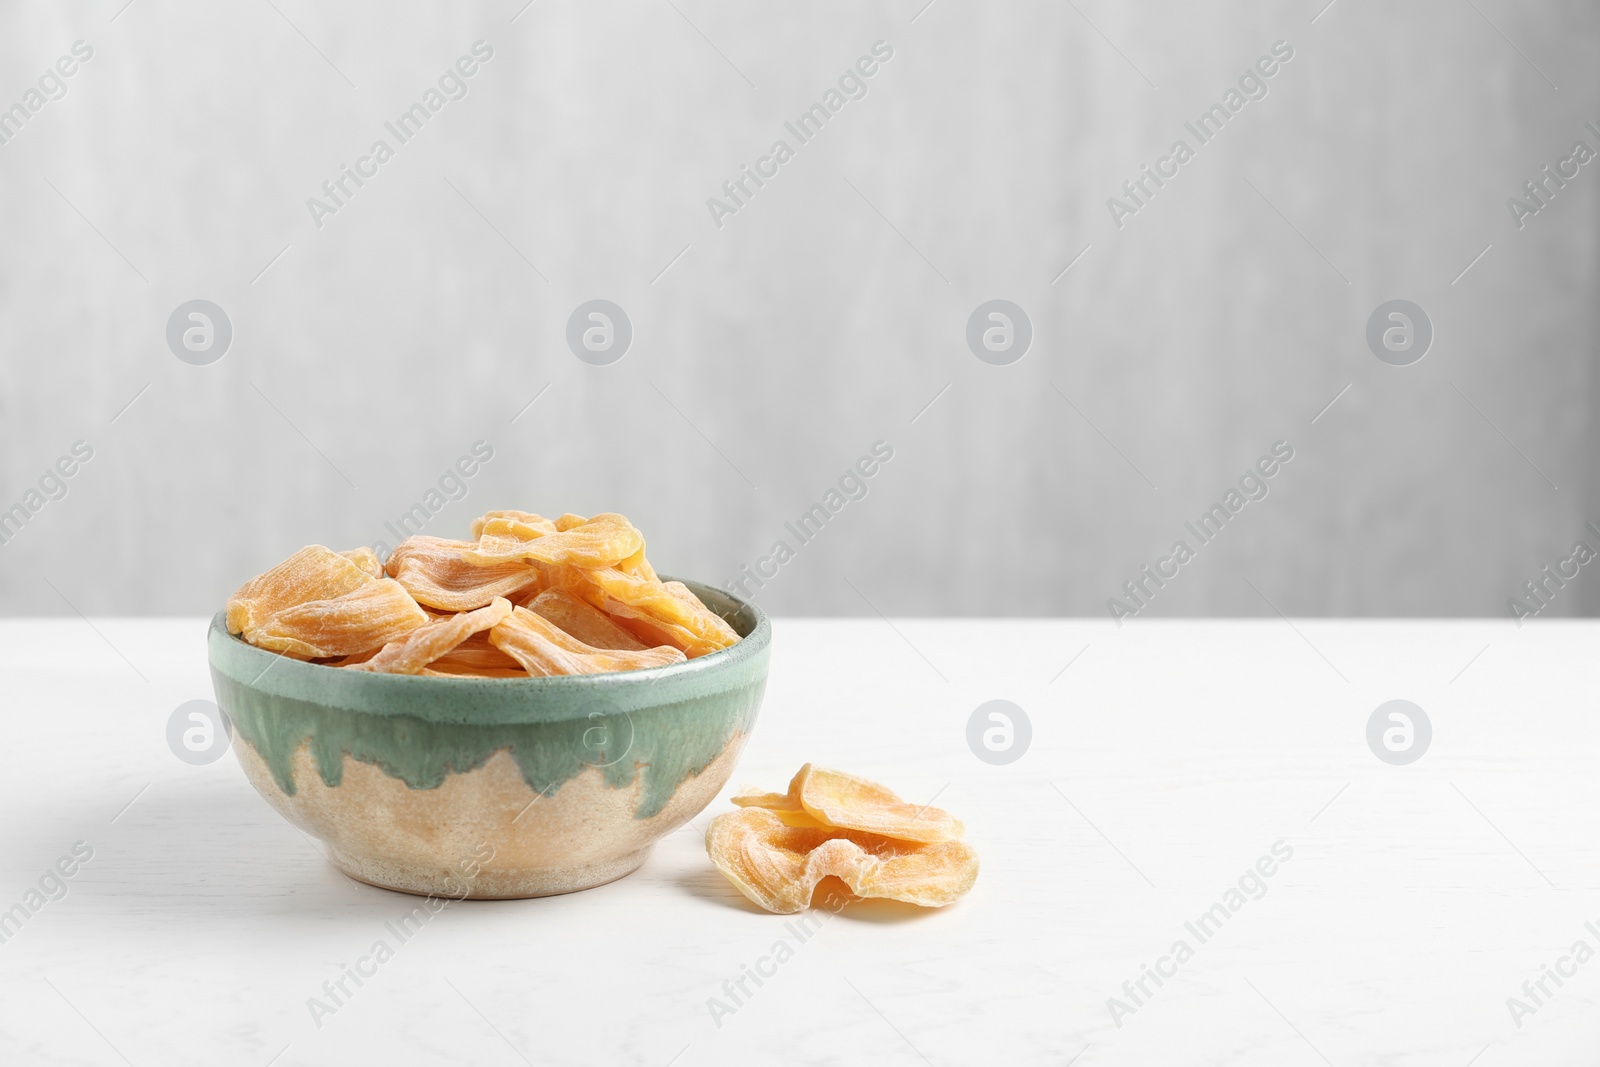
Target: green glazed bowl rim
<point>497,701</point>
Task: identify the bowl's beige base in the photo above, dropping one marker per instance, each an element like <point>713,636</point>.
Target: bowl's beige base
<point>489,885</point>
<point>484,834</point>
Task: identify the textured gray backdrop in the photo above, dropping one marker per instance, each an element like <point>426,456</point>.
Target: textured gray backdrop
<point>828,313</point>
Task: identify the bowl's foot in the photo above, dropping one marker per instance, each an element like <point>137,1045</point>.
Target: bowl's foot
<point>488,884</point>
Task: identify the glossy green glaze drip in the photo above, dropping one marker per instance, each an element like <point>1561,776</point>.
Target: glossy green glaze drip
<point>666,744</point>
<point>665,724</point>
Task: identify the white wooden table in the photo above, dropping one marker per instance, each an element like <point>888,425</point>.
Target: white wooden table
<point>1165,761</point>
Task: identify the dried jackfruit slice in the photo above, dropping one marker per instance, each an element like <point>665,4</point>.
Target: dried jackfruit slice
<point>778,866</point>
<point>663,602</point>
<point>519,518</point>
<point>479,642</point>
<point>714,626</point>
<point>753,798</point>
<point>545,649</point>
<point>934,875</point>
<point>366,559</point>
<point>602,541</point>
<point>589,625</point>
<point>846,801</point>
<point>436,573</point>
<point>785,807</point>
<point>479,663</point>
<point>638,566</point>
<point>476,655</point>
<point>820,797</point>
<point>575,581</point>
<point>653,631</point>
<point>368,617</point>
<point>421,647</point>
<point>624,619</point>
<point>500,536</point>
<point>469,660</point>
<point>313,573</point>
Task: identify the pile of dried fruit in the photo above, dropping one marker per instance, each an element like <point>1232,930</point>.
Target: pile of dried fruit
<point>527,596</point>
<point>778,846</point>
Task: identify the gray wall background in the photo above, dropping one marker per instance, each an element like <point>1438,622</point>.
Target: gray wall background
<point>827,313</point>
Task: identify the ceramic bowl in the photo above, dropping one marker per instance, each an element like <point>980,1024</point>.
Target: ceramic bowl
<point>492,787</point>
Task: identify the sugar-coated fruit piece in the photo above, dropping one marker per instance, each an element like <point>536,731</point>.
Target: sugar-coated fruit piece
<point>368,617</point>
<point>422,646</point>
<point>436,572</point>
<point>844,800</point>
<point>313,573</point>
<point>366,559</point>
<point>542,648</point>
<point>785,807</point>
<point>476,654</point>
<point>600,606</point>
<point>525,520</point>
<point>638,566</point>
<point>653,631</point>
<point>752,798</point>
<point>707,622</point>
<point>778,866</point>
<point>668,603</point>
<point>588,624</point>
<point>603,541</point>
